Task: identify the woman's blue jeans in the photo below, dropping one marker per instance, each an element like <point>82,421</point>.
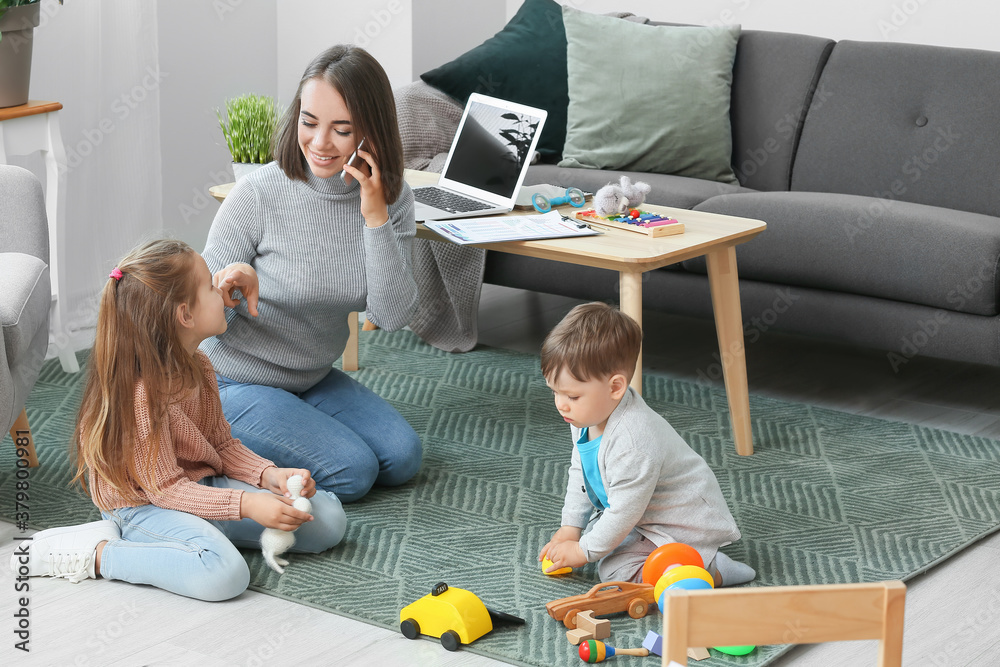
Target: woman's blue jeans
<point>344,434</point>
<point>185,554</point>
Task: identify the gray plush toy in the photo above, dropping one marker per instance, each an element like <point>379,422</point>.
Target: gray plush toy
<point>616,199</point>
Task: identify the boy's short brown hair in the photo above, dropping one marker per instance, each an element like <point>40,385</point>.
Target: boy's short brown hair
<point>593,340</point>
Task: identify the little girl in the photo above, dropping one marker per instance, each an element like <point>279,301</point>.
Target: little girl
<point>177,492</point>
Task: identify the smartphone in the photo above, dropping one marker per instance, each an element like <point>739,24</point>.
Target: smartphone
<point>353,161</point>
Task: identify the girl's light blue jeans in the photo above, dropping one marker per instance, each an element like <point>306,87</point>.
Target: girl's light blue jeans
<point>198,558</point>
<point>344,434</point>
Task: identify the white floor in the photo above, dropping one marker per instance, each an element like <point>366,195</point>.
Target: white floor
<point>953,612</point>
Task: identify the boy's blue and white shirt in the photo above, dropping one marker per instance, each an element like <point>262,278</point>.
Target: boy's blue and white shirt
<point>655,483</point>
<point>593,484</point>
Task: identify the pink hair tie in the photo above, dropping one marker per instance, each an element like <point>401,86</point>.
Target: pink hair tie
<point>116,273</point>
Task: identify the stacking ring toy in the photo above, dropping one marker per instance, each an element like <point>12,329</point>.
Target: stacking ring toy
<point>674,553</point>
<point>679,574</point>
<point>686,584</point>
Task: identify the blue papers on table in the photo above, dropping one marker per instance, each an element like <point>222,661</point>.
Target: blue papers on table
<point>494,229</point>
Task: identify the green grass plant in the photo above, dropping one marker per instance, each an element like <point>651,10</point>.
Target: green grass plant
<point>250,123</point>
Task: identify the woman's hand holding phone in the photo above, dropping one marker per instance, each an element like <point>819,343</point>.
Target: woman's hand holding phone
<point>352,162</point>
<point>373,204</point>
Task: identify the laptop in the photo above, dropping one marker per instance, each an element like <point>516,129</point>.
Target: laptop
<point>487,162</point>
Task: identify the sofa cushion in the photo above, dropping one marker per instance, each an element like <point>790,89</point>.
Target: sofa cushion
<point>677,191</point>
<point>525,62</point>
<point>775,78</point>
<point>861,245</point>
<point>25,296</point>
<point>906,122</point>
<point>649,98</point>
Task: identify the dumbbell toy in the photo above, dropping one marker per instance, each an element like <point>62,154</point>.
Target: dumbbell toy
<point>573,197</point>
<point>597,651</point>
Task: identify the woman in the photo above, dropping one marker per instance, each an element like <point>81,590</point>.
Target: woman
<point>308,240</point>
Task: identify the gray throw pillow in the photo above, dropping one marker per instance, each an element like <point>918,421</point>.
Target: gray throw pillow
<point>649,98</point>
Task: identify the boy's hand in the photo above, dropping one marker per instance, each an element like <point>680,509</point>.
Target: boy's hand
<point>242,277</point>
<point>271,511</point>
<point>564,534</point>
<point>566,554</point>
<point>275,480</point>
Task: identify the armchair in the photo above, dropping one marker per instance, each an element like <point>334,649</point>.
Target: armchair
<point>25,298</point>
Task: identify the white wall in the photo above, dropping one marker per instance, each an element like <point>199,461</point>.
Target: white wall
<point>444,29</point>
<point>306,27</point>
<point>210,51</point>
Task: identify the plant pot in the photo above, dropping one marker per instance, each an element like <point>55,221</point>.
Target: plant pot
<point>241,169</point>
<point>18,26</point>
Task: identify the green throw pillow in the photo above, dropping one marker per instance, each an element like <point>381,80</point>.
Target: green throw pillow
<point>525,62</point>
<point>649,98</point>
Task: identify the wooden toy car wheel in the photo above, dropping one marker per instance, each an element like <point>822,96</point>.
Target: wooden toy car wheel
<point>410,628</point>
<point>638,608</point>
<point>569,620</point>
<point>450,640</point>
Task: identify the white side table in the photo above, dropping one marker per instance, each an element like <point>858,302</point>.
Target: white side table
<point>25,129</point>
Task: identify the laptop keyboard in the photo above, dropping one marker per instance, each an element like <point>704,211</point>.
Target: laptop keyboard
<point>448,201</point>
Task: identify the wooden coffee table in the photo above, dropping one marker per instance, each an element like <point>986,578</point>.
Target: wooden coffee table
<point>710,235</point>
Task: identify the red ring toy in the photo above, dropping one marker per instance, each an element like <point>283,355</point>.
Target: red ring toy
<point>674,553</point>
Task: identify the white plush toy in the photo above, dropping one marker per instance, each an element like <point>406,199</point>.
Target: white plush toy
<point>617,198</point>
<point>274,541</point>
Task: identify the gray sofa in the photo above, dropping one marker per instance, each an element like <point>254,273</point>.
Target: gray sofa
<point>875,166</point>
<point>25,293</point>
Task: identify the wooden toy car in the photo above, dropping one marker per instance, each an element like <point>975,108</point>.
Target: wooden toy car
<point>605,598</point>
<point>455,615</point>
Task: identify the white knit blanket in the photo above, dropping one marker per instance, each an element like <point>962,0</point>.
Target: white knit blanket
<point>449,277</point>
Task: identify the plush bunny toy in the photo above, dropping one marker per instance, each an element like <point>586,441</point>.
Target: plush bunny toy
<point>273,541</point>
<point>617,198</point>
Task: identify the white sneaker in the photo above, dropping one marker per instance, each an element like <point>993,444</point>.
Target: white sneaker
<point>68,552</point>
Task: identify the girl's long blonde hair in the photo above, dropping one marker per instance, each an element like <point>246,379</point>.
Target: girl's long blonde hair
<point>137,339</point>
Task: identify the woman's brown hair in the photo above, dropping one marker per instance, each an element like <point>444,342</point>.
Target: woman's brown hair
<point>594,340</point>
<point>366,90</point>
<point>137,339</point>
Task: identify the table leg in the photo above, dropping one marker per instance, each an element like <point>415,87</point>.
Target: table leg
<point>24,441</point>
<point>630,295</point>
<point>351,351</point>
<point>725,286</point>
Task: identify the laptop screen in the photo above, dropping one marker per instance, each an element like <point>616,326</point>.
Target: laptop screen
<point>492,147</point>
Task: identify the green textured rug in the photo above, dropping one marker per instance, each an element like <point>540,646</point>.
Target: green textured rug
<point>827,497</point>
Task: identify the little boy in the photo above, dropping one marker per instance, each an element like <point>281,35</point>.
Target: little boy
<point>646,485</point>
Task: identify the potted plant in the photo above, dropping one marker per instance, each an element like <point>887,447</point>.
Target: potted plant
<point>18,19</point>
<point>249,127</point>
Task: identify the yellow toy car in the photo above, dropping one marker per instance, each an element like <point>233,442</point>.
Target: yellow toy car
<point>455,615</point>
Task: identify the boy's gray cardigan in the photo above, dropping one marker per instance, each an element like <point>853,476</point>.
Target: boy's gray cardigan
<point>655,483</point>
